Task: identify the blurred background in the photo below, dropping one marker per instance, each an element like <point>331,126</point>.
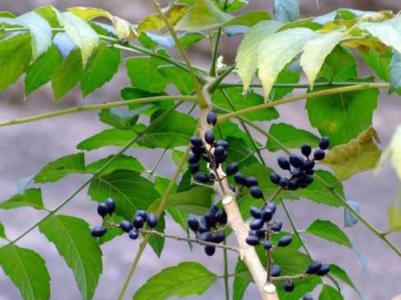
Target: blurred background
<point>24,149</point>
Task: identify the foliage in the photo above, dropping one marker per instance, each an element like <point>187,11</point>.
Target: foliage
<point>86,47</point>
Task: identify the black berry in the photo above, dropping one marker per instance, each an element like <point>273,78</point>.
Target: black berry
<point>307,297</point>
<point>324,270</point>
<point>313,267</point>
<point>288,286</point>
<point>267,245</point>
<point>218,237</point>
<point>138,222</point>
<point>256,192</point>
<point>111,205</point>
<point>133,234</point>
<point>256,224</point>
<point>276,226</point>
<point>209,137</point>
<point>240,179</point>
<point>152,220</point>
<point>222,143</point>
<point>296,161</point>
<point>272,206</point>
<point>194,168</point>
<point>293,184</point>
<point>125,225</point>
<point>256,212</point>
<point>306,150</point>
<point>251,181</point>
<point>283,163</point>
<point>221,217</point>
<point>211,118</point>
<point>196,141</point>
<point>102,209</point>
<point>308,165</point>
<point>202,177</point>
<point>193,224</point>
<point>319,154</point>
<point>219,151</point>
<point>324,143</point>
<point>141,213</point>
<point>210,250</point>
<point>232,169</point>
<point>98,231</point>
<point>284,182</point>
<point>252,240</point>
<point>275,178</point>
<point>193,158</point>
<point>276,270</point>
<point>267,215</point>
<point>285,241</point>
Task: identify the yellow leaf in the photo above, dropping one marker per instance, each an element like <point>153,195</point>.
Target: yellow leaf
<point>393,152</point>
<point>204,14</point>
<point>173,13</point>
<point>358,155</point>
<point>394,218</point>
<point>123,29</point>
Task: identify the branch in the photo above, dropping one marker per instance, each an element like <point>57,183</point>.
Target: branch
<point>298,85</point>
<point>91,107</point>
<point>295,98</point>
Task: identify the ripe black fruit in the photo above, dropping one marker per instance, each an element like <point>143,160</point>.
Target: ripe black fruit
<point>125,225</point>
<point>288,286</point>
<point>314,267</point>
<point>111,205</point>
<point>267,215</point>
<point>141,213</point>
<point>284,163</point>
<point>256,224</point>
<point>307,297</point>
<point>252,240</point>
<point>194,168</point>
<point>202,177</point>
<point>218,237</point>
<point>306,150</point>
<point>210,250</point>
<point>209,137</point>
<point>232,169</point>
<point>275,178</point>
<point>196,141</point>
<point>293,184</point>
<point>193,224</point>
<point>276,270</point>
<point>284,241</point>
<point>324,143</point>
<point>193,158</point>
<point>102,209</point>
<point>98,231</point>
<point>240,179</point>
<point>251,181</point>
<point>296,161</point>
<point>133,234</point>
<point>221,217</point>
<point>256,212</point>
<point>222,143</point>
<point>256,192</point>
<point>138,222</point>
<point>211,118</point>
<point>324,270</point>
<point>308,165</point>
<point>271,206</point>
<point>319,154</point>
<point>284,182</point>
<point>219,151</point>
<point>152,220</point>
<point>267,245</point>
<point>276,226</point>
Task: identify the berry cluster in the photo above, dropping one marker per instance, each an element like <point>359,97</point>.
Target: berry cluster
<point>262,227</point>
<point>301,168</point>
<point>141,218</point>
<point>209,228</point>
<point>103,209</point>
<point>214,153</point>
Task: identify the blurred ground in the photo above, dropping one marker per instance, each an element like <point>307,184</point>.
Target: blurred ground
<point>25,148</point>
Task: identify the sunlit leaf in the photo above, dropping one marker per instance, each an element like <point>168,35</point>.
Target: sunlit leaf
<point>204,14</point>
<point>329,231</point>
<point>30,198</point>
<point>173,13</point>
<point>330,293</point>
<point>393,152</point>
<point>394,217</point>
<point>249,19</point>
<point>2,232</point>
<point>358,155</point>
<point>122,162</point>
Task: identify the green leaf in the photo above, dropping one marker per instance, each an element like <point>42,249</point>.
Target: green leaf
<point>108,137</point>
<point>157,241</point>
<point>129,190</point>
<point>286,10</point>
<point>74,243</point>
<point>233,99</point>
<point>277,50</point>
<point>185,279</point>
<point>241,282</point>
<point>27,270</point>
<point>246,59</point>
<point>2,232</point>
<point>240,151</point>
<point>122,162</point>
<point>350,114</point>
<point>329,231</point>
<point>291,261</point>
<point>204,14</point>
<point>330,293</point>
<point>251,18</point>
<point>291,74</point>
<point>49,13</point>
<point>30,197</point>
<point>180,78</point>
<point>59,168</point>
<point>194,201</point>
<point>358,155</point>
<point>340,65</point>
<point>394,218</point>
<point>41,71</point>
<point>379,61</point>
<point>315,53</point>
<point>15,55</point>
<point>289,137</point>
<point>120,117</point>
<point>101,68</point>
<point>40,30</point>
<point>171,130</point>
<point>144,74</point>
<point>338,272</point>
<point>191,38</point>
<point>81,33</point>
<point>67,74</point>
<point>236,5</point>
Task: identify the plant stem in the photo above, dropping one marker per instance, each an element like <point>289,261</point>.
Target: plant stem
<point>91,107</point>
<point>161,208</point>
<point>226,283</point>
<point>299,85</point>
<point>183,53</point>
<point>295,98</point>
